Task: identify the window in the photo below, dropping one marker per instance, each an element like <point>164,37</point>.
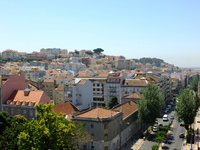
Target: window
<point>18,111</point>
<point>5,109</point>
<point>106,148</point>
<point>25,112</point>
<point>31,112</point>
<point>12,111</point>
<point>106,137</point>
<point>92,126</point>
<point>105,126</point>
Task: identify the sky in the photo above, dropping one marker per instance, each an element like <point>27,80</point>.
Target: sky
<point>164,29</point>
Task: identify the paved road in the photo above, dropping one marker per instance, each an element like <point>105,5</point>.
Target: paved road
<point>173,140</point>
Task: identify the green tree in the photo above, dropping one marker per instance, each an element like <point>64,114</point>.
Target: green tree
<point>98,50</point>
<point>5,120</point>
<point>185,107</point>
<point>89,53</point>
<point>151,104</point>
<point>8,140</point>
<point>194,83</point>
<point>155,147</point>
<point>51,131</point>
<point>76,52</point>
<point>113,101</point>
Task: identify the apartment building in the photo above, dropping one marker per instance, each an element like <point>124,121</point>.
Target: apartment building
<point>98,80</point>
<point>86,60</point>
<point>64,51</point>
<point>163,82</point>
<point>104,127</point>
<point>48,86</point>
<point>109,129</point>
<point>79,92</point>
<point>23,102</point>
<point>76,59</point>
<point>67,66</point>
<point>53,51</point>
<point>113,84</point>
<point>131,86</point>
<point>129,64</point>
<point>37,55</point>
<point>10,54</point>
<point>58,94</point>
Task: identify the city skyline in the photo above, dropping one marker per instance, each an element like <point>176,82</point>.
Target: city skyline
<point>167,30</point>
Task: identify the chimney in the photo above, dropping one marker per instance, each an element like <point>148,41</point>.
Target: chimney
<point>26,93</point>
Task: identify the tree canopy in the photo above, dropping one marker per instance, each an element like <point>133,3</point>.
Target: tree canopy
<point>5,120</point>
<point>144,60</point>
<point>49,131</point>
<point>194,83</point>
<point>98,50</point>
<point>151,104</point>
<point>186,107</point>
<point>89,53</point>
<point>113,101</point>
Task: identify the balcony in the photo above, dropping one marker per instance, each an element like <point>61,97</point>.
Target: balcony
<point>98,92</point>
<point>97,87</point>
<point>98,95</point>
<point>111,91</point>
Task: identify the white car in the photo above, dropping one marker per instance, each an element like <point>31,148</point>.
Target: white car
<point>155,129</point>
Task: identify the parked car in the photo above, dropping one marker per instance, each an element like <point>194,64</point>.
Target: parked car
<point>171,117</point>
<point>165,117</point>
<point>182,123</point>
<point>181,135</point>
<point>166,110</point>
<point>155,129</point>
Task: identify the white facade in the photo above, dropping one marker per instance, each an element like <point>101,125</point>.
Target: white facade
<point>80,94</point>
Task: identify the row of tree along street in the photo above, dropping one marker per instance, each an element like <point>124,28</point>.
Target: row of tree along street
<point>187,104</point>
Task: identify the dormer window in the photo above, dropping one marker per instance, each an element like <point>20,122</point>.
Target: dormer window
<point>32,103</point>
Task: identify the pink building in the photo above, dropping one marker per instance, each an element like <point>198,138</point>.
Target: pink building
<point>37,55</point>
<point>14,82</point>
<point>17,99</point>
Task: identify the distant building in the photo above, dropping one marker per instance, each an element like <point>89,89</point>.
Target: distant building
<point>131,86</point>
<point>53,51</point>
<point>10,54</point>
<point>37,55</point>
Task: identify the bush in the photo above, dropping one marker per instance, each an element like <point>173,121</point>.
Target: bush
<point>155,147</point>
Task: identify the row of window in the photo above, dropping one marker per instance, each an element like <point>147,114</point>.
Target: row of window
<point>20,112</point>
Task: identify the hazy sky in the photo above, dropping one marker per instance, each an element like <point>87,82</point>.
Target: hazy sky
<point>165,29</point>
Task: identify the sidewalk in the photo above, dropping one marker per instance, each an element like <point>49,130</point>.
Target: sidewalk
<point>196,144</point>
<point>138,144</point>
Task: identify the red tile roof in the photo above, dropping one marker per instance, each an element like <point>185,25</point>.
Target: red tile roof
<point>67,108</point>
<point>98,113</point>
<point>28,98</point>
<point>127,108</point>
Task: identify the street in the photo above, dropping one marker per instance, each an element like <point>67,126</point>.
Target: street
<point>173,140</point>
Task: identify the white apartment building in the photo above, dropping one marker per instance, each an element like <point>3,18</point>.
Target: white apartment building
<point>67,66</point>
<point>79,94</point>
<point>131,86</point>
<point>10,54</point>
<point>113,85</point>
